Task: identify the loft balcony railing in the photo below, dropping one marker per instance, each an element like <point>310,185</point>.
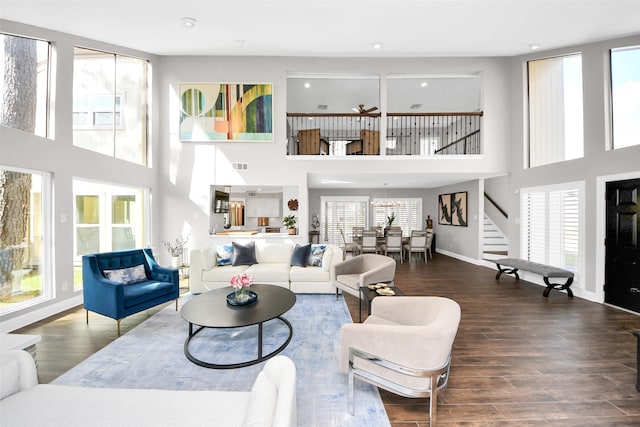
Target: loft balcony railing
<point>418,134</point>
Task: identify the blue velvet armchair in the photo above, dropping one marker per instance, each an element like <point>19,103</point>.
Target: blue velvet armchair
<point>118,284</point>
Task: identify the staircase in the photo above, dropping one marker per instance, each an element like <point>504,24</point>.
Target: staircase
<point>495,245</point>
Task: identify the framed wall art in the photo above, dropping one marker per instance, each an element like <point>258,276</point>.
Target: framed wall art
<point>231,112</point>
<point>459,209</point>
<point>444,209</point>
<point>452,209</point>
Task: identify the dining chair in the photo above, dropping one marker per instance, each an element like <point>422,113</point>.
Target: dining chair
<point>347,246</point>
<point>417,244</point>
<point>369,242</point>
<point>393,243</point>
<point>429,240</point>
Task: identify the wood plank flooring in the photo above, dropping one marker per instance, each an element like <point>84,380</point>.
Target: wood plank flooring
<point>519,359</point>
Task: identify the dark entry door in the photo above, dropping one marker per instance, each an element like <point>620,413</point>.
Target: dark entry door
<point>622,246</point>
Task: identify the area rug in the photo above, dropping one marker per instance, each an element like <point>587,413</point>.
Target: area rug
<point>151,356</point>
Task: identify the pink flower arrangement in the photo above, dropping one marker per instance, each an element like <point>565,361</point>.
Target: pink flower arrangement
<point>241,280</point>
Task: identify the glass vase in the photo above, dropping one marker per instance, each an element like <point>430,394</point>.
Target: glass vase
<point>242,293</point>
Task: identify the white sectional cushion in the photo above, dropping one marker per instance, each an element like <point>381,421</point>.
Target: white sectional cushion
<point>326,258</point>
<point>309,274</point>
<point>262,403</point>
<point>274,253</point>
<point>223,274</point>
<point>270,272</point>
<point>208,255</point>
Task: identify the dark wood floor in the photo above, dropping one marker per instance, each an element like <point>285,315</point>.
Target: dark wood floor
<point>519,359</point>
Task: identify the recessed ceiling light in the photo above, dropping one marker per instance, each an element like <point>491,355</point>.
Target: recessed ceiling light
<point>239,43</point>
<point>424,84</point>
<point>307,85</point>
<point>188,22</point>
<point>377,45</point>
<point>534,46</point>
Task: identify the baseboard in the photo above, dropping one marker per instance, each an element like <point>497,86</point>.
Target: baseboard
<point>524,275</point>
<point>39,314</point>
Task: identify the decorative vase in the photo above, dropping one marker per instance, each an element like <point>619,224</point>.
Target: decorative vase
<point>242,294</point>
<point>175,261</point>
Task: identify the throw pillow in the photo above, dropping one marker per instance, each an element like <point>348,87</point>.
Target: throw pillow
<point>244,254</point>
<point>300,255</point>
<point>224,254</point>
<point>315,258</point>
<point>128,275</point>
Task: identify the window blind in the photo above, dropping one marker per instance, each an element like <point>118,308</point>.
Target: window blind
<point>550,227</point>
<point>342,213</point>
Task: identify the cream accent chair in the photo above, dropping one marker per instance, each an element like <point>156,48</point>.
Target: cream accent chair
<point>404,347</point>
<point>363,270</point>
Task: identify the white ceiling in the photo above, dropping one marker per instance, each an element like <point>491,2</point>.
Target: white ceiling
<point>337,28</point>
<point>334,27</point>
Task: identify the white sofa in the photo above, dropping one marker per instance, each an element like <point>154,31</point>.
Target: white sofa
<point>273,268</point>
<point>271,402</point>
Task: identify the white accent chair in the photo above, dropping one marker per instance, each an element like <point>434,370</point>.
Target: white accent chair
<point>404,347</point>
<point>363,270</point>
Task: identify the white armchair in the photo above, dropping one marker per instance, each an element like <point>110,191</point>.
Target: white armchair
<point>404,347</point>
<point>362,270</point>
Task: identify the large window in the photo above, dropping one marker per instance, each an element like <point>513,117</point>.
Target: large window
<point>342,213</point>
<point>25,238</point>
<point>107,218</point>
<point>407,213</point>
<point>110,104</point>
<point>555,110</point>
<point>625,96</point>
<point>24,66</point>
<point>551,225</point>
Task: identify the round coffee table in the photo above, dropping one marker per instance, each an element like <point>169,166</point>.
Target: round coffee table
<point>210,310</point>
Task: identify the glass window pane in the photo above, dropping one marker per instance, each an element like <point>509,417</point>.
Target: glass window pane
<point>87,210</point>
<point>555,110</point>
<point>24,270</point>
<point>25,65</point>
<point>131,110</point>
<point>625,94</point>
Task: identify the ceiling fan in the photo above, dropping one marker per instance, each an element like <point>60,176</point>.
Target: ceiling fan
<point>361,110</point>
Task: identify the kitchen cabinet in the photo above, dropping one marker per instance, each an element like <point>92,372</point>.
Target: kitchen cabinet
<point>263,206</point>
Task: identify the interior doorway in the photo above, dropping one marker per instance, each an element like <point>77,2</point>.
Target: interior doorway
<point>622,244</point>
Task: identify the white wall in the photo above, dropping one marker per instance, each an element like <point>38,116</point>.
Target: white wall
<point>65,162</point>
<point>187,169</point>
<point>598,160</point>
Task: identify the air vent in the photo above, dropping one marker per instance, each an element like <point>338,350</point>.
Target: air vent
<point>415,106</point>
<point>251,194</point>
<point>241,166</point>
<point>322,106</point>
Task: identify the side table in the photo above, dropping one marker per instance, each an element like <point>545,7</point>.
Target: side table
<point>20,342</point>
<point>368,295</point>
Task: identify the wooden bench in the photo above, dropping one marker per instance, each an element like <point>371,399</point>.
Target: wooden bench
<point>512,265</point>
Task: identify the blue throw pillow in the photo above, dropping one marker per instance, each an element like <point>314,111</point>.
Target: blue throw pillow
<point>224,254</point>
<point>315,257</point>
<point>244,254</point>
<point>300,255</point>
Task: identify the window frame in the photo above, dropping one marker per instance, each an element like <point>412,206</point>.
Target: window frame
<point>531,110</point>
<point>48,291</point>
<point>541,230</point>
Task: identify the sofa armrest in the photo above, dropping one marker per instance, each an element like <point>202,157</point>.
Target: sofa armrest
<point>100,294</point>
<point>17,372</point>
<point>159,273</point>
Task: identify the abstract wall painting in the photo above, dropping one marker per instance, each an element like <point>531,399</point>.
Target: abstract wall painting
<point>226,112</point>
<point>444,209</point>
<point>452,209</point>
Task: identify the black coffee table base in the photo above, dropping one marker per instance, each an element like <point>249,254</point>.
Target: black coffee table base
<point>259,359</point>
